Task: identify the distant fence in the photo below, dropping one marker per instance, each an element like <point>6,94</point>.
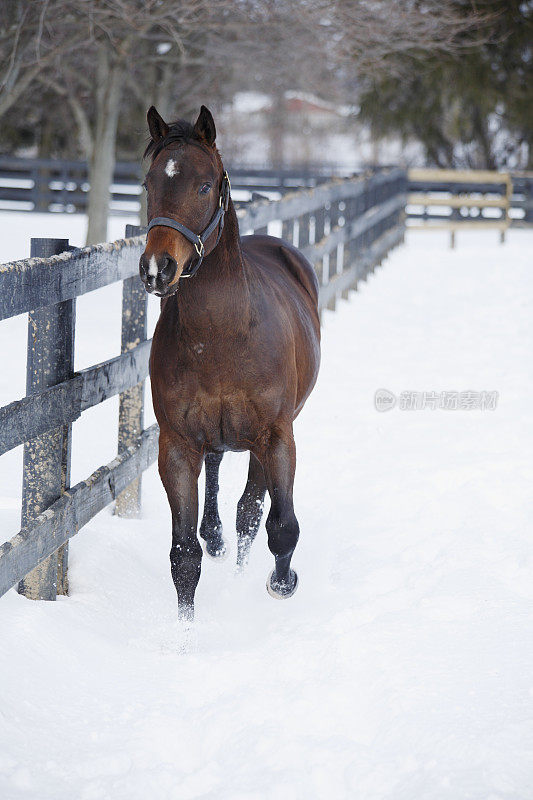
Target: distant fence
<point>63,186</point>
<point>344,227</point>
<point>453,200</point>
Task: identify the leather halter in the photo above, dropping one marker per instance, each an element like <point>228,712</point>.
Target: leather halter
<point>198,239</point>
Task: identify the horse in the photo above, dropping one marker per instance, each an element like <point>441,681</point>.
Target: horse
<point>234,356</point>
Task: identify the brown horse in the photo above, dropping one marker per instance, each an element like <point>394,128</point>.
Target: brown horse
<point>234,356</point>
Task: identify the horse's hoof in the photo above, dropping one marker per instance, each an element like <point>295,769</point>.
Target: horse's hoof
<point>282,591</point>
<point>217,549</point>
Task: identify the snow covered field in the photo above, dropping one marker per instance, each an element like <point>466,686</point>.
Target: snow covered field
<point>403,667</point>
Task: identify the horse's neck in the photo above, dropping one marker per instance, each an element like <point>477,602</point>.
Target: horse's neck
<point>217,298</point>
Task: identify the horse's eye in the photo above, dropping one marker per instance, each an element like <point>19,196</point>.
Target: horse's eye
<point>205,188</point>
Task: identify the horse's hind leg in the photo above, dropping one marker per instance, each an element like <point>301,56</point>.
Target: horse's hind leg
<point>211,527</point>
<point>250,511</point>
<point>279,464</point>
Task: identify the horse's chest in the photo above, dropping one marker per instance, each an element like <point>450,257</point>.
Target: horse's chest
<point>219,393</point>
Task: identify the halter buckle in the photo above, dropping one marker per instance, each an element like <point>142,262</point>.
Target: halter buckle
<point>199,249</point>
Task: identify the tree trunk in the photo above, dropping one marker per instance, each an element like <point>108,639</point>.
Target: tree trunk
<point>480,128</point>
<point>163,95</point>
<point>102,161</point>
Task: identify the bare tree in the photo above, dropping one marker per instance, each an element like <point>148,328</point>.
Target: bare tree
<point>329,47</point>
<point>98,56</point>
<point>90,54</point>
<point>123,37</point>
<point>29,43</point>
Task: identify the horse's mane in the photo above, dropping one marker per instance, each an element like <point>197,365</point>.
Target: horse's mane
<point>180,131</point>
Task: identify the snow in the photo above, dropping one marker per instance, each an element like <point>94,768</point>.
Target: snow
<point>16,230</point>
<point>250,102</point>
<point>401,668</point>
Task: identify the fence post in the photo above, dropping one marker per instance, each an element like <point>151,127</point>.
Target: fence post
<point>346,247</point>
<point>131,404</point>
<point>287,230</point>
<point>526,182</point>
<point>346,264</point>
<point>320,219</point>
<point>350,249</point>
<point>40,191</point>
<point>303,230</point>
<point>46,473</point>
<point>334,215</point>
<point>506,215</point>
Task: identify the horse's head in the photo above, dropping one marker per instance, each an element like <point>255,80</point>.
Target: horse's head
<point>187,190</point>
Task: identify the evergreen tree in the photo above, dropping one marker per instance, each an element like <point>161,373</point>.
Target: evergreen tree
<point>469,109</point>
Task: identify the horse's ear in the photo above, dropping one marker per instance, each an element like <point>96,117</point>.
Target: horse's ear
<point>157,125</point>
<point>204,127</point>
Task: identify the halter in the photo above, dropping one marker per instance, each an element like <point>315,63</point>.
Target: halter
<point>198,239</point>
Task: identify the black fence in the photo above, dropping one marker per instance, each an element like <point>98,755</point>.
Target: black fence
<point>63,186</point>
<point>344,227</point>
<point>54,185</point>
<point>522,198</point>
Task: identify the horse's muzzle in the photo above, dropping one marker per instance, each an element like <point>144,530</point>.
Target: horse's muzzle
<point>158,273</point>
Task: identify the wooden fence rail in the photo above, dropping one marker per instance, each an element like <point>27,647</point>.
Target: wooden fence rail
<point>60,185</point>
<point>453,200</point>
<point>40,184</point>
<point>345,228</point>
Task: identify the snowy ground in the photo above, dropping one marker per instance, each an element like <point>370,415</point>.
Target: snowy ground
<point>402,668</point>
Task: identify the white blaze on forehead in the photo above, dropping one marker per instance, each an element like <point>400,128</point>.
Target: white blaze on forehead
<point>152,267</point>
<point>171,168</point>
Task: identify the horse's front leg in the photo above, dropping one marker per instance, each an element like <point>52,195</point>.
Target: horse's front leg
<point>278,458</point>
<point>179,469</point>
<point>211,527</point>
